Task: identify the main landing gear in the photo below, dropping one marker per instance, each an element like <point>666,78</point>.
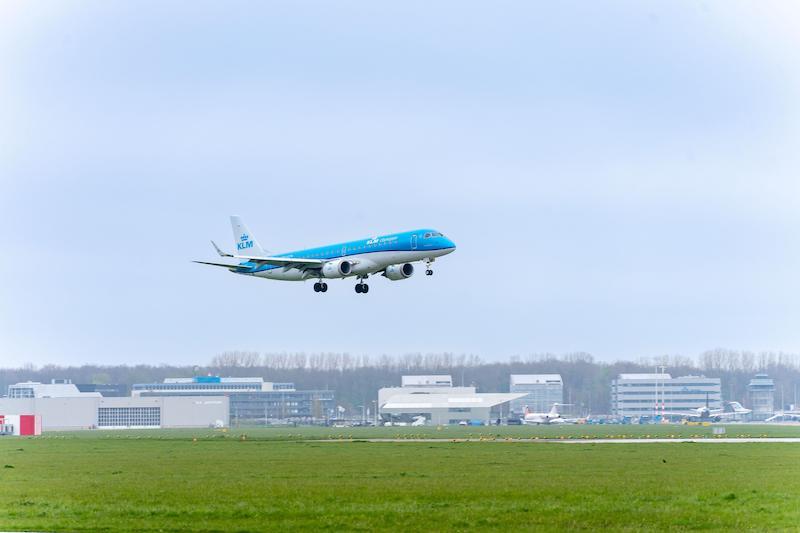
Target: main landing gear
<point>320,287</point>
<point>362,288</point>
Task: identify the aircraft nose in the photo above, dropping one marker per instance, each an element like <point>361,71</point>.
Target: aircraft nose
<point>449,243</point>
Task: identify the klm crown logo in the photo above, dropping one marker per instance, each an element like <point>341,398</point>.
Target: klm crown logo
<point>244,243</point>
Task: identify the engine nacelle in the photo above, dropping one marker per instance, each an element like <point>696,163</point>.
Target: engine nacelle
<point>398,272</point>
<point>339,268</point>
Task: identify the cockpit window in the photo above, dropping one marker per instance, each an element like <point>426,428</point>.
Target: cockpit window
<point>436,234</point>
<point>427,236</point>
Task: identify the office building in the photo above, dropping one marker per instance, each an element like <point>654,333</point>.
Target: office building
<point>638,395</point>
<point>541,392</point>
<point>252,400</point>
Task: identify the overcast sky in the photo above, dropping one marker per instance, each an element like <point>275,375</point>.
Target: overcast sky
<point>621,178</point>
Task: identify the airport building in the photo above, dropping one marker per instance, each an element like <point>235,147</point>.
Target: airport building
<point>20,425</point>
<point>434,398</point>
<point>761,396</point>
<point>62,388</point>
<point>638,395</point>
<point>93,411</point>
<point>252,400</point>
<point>541,392</point>
<point>117,390</point>
<point>55,389</point>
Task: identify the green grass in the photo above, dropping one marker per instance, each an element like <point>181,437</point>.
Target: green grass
<point>456,432</point>
<point>167,480</point>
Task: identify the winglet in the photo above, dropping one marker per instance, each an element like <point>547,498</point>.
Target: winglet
<point>220,252</point>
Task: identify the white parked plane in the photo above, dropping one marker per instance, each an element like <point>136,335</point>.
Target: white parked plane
<point>553,417</point>
<point>706,414</point>
<point>784,416</point>
<point>389,255</point>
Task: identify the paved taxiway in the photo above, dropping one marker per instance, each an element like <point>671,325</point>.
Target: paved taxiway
<point>723,440</point>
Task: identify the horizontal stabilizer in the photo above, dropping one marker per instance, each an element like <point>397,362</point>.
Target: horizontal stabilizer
<point>224,265</point>
<point>220,252</point>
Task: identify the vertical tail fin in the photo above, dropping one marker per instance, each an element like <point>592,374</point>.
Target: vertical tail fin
<point>554,410</point>
<point>245,242</point>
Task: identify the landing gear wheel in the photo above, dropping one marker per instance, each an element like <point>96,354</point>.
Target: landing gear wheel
<point>323,287</point>
<point>362,288</point>
<point>317,287</point>
<point>429,272</point>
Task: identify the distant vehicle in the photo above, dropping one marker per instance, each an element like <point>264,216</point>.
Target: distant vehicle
<point>463,423</point>
<point>552,417</point>
<point>389,255</point>
<point>396,424</point>
<point>731,410</point>
<point>514,421</point>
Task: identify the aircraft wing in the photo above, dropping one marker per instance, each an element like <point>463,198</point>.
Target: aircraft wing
<point>791,415</point>
<point>286,262</point>
<point>281,261</point>
<point>683,414</point>
<point>728,414</point>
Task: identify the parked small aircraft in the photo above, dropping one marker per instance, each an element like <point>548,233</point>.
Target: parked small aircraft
<point>552,417</point>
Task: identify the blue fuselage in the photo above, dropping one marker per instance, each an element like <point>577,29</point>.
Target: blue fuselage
<point>366,255</point>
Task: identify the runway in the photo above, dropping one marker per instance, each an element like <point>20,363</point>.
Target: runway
<point>709,440</point>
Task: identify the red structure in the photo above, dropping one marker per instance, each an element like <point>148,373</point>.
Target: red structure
<point>21,425</point>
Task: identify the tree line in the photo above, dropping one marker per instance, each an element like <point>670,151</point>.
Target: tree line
<point>356,378</point>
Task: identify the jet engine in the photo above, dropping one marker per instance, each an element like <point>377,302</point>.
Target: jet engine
<point>337,269</point>
<point>398,272</point>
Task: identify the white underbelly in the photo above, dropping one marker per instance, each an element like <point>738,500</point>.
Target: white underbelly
<point>362,264</point>
<point>282,274</point>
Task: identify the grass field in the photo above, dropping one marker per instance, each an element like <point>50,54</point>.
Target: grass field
<point>279,479</point>
<point>458,432</point>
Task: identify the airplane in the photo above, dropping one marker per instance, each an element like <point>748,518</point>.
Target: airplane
<point>706,414</point>
<point>391,256</point>
<point>784,416</point>
<point>553,417</point>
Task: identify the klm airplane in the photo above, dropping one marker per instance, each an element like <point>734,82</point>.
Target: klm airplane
<point>389,255</point>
